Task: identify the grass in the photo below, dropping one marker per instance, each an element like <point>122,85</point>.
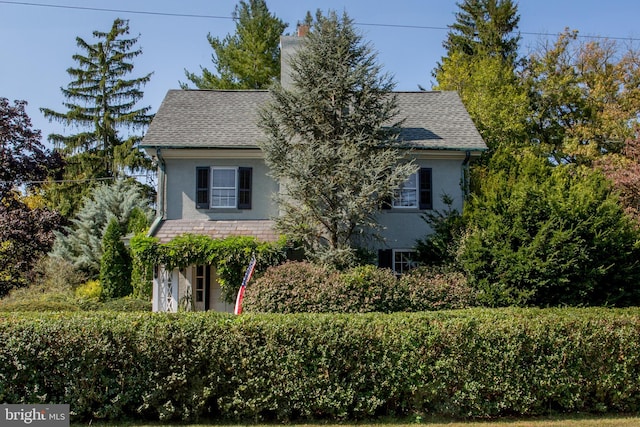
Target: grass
<point>556,421</point>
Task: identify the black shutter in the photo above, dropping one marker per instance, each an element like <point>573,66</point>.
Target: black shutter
<point>385,258</point>
<point>424,188</point>
<point>202,188</point>
<point>244,187</point>
<point>386,203</point>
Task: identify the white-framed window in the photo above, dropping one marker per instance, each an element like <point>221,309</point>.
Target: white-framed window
<point>415,192</point>
<point>407,195</point>
<point>404,260</point>
<point>224,190</point>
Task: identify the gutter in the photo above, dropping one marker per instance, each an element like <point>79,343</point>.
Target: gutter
<point>160,212</point>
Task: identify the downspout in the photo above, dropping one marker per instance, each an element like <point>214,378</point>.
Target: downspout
<point>465,174</point>
<point>160,213</point>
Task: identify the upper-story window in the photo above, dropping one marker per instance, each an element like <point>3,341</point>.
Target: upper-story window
<point>415,192</point>
<point>223,187</point>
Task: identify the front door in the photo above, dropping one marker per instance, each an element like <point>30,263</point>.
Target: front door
<point>201,283</point>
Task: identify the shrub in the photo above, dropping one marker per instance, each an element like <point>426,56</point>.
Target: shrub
<point>115,264</point>
<point>284,368</point>
<point>297,287</point>
<point>292,287</point>
<point>89,290</point>
<point>437,289</point>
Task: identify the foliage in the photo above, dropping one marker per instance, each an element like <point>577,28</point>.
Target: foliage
<point>485,28</point>
<point>436,288</point>
<point>584,96</point>
<point>26,231</point>
<point>491,91</point>
<point>302,287</point>
<point>331,142</point>
<point>100,101</point>
<point>289,368</point>
<point>230,256</point>
<point>480,65</point>
<point>543,235</point>
<point>81,243</point>
<point>115,264</point>
<point>249,59</point>
<point>624,171</point>
<point>91,290</point>
<point>440,246</point>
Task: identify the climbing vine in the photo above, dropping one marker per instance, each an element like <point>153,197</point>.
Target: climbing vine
<point>230,256</point>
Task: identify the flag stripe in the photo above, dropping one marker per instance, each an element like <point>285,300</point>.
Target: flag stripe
<point>245,280</point>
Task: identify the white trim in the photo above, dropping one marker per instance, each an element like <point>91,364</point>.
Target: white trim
<point>235,187</point>
<point>393,259</point>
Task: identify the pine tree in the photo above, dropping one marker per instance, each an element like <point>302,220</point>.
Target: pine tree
<point>115,264</point>
<point>486,27</point>
<point>327,143</point>
<point>101,100</point>
<point>81,242</point>
<point>249,59</point>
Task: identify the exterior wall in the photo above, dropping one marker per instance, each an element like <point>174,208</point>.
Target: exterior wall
<point>180,199</point>
<point>402,226</point>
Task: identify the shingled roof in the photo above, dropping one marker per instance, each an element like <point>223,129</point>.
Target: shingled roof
<point>228,119</point>
<point>262,230</point>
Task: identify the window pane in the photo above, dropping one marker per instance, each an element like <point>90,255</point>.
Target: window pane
<point>224,178</point>
<point>404,261</point>
<point>407,195</point>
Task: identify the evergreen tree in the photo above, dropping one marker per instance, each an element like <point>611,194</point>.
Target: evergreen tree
<point>485,27</point>
<point>540,234</point>
<point>115,264</point>
<point>327,143</point>
<point>249,59</point>
<point>81,243</point>
<point>101,100</point>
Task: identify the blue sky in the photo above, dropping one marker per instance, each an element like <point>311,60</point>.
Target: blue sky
<point>38,42</point>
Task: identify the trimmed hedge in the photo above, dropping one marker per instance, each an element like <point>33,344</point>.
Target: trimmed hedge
<point>190,366</point>
<point>302,287</point>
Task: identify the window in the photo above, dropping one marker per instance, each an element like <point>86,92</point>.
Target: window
<point>404,261</point>
<point>223,187</point>
<point>415,192</point>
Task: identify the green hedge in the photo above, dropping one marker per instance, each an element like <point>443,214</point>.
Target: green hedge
<point>189,366</point>
<point>302,287</point>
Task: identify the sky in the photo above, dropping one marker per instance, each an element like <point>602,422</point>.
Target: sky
<point>38,38</point>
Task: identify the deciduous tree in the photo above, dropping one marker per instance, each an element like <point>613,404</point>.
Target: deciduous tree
<point>248,59</point>
<point>328,144</point>
<point>26,232</point>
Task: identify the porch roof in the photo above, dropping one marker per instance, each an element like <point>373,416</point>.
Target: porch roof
<point>262,230</point>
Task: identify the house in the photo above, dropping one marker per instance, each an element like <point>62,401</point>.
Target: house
<point>212,178</point>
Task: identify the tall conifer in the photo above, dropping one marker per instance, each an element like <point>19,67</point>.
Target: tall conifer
<point>329,142</point>
<point>249,59</point>
<point>101,100</point>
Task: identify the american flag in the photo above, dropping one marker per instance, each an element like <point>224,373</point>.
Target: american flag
<point>243,286</point>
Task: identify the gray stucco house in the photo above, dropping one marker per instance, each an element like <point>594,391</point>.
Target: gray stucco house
<point>212,178</point>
